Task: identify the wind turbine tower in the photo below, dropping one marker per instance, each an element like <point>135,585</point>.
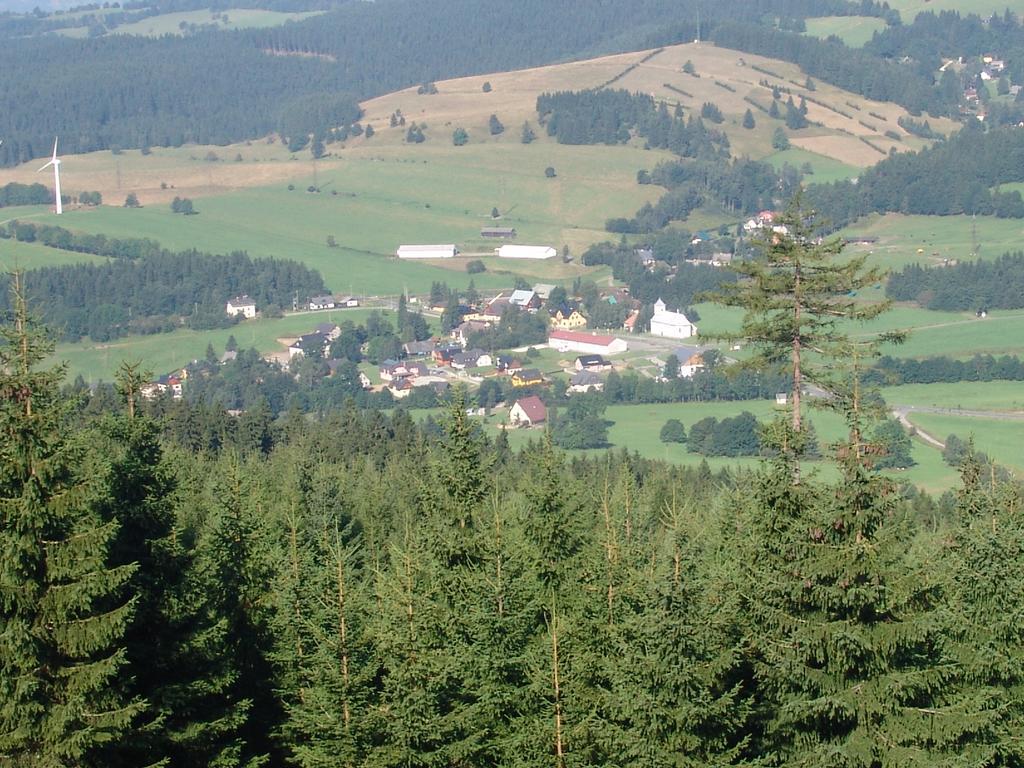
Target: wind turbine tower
<point>55,162</point>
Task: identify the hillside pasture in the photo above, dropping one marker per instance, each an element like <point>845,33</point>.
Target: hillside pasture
<point>1000,439</point>
<point>231,18</point>
<point>993,396</point>
<point>374,199</point>
<point>931,240</point>
<point>825,169</point>
<point>910,8</point>
<point>837,136</point>
<point>852,30</point>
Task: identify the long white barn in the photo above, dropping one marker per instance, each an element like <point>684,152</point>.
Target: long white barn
<point>526,252</point>
<point>427,251</point>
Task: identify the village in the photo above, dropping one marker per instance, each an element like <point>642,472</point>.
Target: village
<point>570,360</point>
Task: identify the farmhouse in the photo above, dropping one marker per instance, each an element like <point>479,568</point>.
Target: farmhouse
<point>690,360</point>
<point>672,325</point>
<point>567,319</point>
<point>526,252</point>
<point>427,251</point>
<point>528,411</point>
<point>505,233</point>
<point>241,305</point>
<point>322,302</point>
<point>578,341</point>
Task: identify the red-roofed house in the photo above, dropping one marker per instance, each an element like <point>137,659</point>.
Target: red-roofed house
<point>579,341</point>
<point>528,411</point>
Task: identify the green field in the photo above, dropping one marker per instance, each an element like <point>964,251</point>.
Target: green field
<point>852,30</point>
<point>1000,439</point>
<point>236,18</point>
<point>975,395</point>
<point>375,201</point>
<point>826,169</point>
<point>164,352</point>
<point>636,428</point>
<point>910,8</point>
<point>929,240</point>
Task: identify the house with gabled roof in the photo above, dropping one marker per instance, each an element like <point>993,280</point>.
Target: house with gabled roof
<point>241,305</point>
<point>585,381</point>
<point>527,377</point>
<point>528,412</point>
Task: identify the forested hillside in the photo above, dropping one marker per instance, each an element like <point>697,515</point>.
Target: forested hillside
<point>159,290</point>
<point>218,87</point>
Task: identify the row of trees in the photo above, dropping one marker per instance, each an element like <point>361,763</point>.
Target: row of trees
<point>151,293</point>
<point>612,116</point>
<point>989,284</point>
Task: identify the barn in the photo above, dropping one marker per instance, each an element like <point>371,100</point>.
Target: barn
<point>526,252</point>
<point>427,251</point>
<point>592,343</point>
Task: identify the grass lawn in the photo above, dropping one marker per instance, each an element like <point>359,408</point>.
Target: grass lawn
<point>826,169</point>
<point>929,240</point>
<point>25,256</point>
<point>852,30</point>
<point>910,8</point>
<point>236,18</point>
<point>163,352</point>
<point>636,428</point>
<point>1000,439</point>
<point>974,395</point>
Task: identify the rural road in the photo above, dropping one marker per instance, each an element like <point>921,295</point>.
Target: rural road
<point>902,412</point>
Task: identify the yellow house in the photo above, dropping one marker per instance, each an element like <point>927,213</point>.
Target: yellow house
<point>568,322</point>
<point>527,377</point>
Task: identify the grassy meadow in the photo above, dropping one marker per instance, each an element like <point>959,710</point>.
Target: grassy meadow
<point>825,169</point>
<point>999,438</point>
<point>852,30</point>
<point>993,396</point>
<point>930,240</point>
<point>373,199</point>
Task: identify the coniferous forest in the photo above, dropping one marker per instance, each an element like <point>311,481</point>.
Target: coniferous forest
<point>182,587</point>
<point>225,86</point>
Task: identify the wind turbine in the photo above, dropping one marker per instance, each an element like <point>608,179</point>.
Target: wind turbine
<point>55,162</point>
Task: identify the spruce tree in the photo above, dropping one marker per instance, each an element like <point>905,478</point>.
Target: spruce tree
<point>843,634</point>
<point>795,299</point>
<point>982,718</point>
<point>63,609</point>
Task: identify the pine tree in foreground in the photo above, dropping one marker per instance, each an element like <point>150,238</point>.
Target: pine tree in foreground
<point>62,613</point>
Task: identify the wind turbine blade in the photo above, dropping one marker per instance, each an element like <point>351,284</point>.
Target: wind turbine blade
<point>48,164</point>
<point>54,147</point>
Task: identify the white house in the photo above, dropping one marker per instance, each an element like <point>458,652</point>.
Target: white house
<point>322,302</point>
<point>427,251</point>
<point>671,325</point>
<point>525,252</point>
<point>243,305</point>
<point>578,341</point>
<point>527,412</point>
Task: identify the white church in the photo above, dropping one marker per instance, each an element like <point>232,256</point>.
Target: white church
<point>672,325</point>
